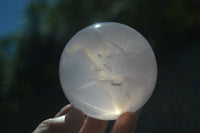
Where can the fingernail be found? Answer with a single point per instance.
(42, 128)
(56, 120)
(64, 110)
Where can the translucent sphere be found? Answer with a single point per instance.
(107, 69)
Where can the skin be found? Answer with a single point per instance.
(71, 120)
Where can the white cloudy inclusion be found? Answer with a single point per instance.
(107, 69)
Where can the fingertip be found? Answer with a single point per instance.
(126, 122)
(64, 110)
(42, 128)
(92, 125)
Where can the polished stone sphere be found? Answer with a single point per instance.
(107, 69)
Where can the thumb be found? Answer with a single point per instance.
(69, 122)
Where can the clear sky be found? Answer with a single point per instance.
(11, 15)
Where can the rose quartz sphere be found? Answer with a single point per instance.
(107, 69)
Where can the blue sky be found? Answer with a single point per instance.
(12, 14)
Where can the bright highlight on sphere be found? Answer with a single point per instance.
(107, 69)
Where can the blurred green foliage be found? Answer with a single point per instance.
(29, 84)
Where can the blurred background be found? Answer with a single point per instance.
(34, 33)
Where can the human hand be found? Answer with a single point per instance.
(72, 120)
